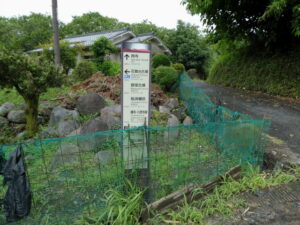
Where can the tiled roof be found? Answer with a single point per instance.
(88, 39)
(142, 37)
(149, 36)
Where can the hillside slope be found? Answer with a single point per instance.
(274, 73)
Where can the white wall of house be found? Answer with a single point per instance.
(116, 57)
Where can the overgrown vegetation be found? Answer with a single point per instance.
(276, 73)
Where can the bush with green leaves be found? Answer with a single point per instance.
(101, 49)
(110, 68)
(179, 67)
(84, 70)
(165, 76)
(160, 60)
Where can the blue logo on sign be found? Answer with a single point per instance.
(126, 76)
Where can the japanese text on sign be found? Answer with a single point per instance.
(136, 84)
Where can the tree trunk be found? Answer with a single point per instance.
(55, 33)
(31, 110)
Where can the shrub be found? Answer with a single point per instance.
(84, 70)
(179, 67)
(165, 76)
(110, 68)
(160, 60)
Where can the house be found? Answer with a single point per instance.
(117, 37)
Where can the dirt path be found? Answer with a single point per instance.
(271, 206)
(284, 113)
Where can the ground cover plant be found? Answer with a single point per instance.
(225, 199)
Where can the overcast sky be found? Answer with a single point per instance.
(160, 12)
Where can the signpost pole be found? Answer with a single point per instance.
(136, 83)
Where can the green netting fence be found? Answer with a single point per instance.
(69, 176)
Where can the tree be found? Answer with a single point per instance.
(146, 27)
(55, 33)
(6, 33)
(101, 49)
(30, 76)
(188, 47)
(91, 22)
(273, 23)
(25, 33)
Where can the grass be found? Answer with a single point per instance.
(84, 118)
(12, 96)
(122, 207)
(274, 73)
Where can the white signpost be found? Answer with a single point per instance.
(136, 87)
(135, 103)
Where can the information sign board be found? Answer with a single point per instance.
(135, 103)
(136, 87)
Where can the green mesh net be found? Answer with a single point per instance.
(69, 176)
(200, 107)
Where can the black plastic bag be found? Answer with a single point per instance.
(17, 201)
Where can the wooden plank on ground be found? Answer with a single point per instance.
(188, 192)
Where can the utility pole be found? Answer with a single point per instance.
(55, 33)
